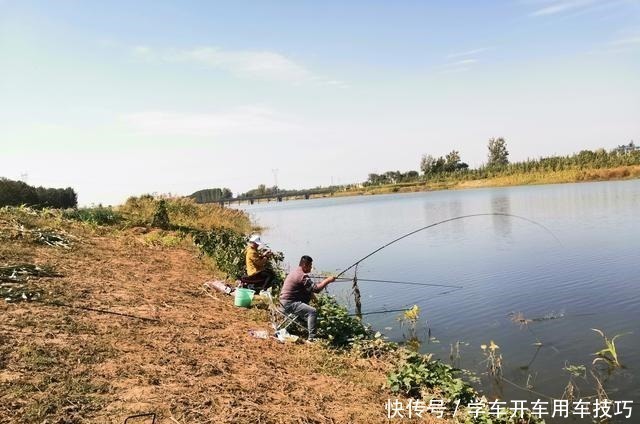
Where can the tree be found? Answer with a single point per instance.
(452, 160)
(426, 164)
(498, 154)
(411, 175)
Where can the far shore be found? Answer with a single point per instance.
(531, 178)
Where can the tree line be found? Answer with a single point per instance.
(451, 166)
(498, 164)
(263, 190)
(16, 193)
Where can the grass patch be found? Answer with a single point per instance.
(183, 213)
(98, 215)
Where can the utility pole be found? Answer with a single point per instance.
(275, 178)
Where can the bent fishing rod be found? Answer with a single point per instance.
(355, 264)
(408, 283)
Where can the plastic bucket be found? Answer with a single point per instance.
(244, 297)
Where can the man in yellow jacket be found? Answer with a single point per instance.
(257, 258)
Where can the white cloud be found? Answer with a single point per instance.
(246, 120)
(575, 8)
(560, 6)
(142, 51)
(254, 64)
(468, 53)
(463, 62)
(626, 42)
(263, 65)
(458, 66)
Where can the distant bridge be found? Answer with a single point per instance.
(277, 197)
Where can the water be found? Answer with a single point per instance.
(505, 265)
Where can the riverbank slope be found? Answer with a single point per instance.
(190, 360)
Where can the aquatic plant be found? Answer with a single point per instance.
(609, 354)
(493, 359)
(410, 318)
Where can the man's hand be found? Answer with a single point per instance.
(326, 282)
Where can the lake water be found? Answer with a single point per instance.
(590, 279)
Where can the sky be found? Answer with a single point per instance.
(123, 98)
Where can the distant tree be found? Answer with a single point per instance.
(452, 160)
(498, 153)
(375, 179)
(426, 164)
(439, 166)
(211, 195)
(14, 193)
(392, 177)
(411, 175)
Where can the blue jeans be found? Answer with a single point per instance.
(304, 312)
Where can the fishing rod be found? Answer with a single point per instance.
(355, 264)
(386, 311)
(409, 283)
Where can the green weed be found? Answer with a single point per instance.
(609, 354)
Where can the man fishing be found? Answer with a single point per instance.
(257, 256)
(297, 292)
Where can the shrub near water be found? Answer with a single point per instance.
(336, 325)
(417, 372)
(226, 247)
(422, 377)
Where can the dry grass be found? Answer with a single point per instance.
(196, 364)
(185, 212)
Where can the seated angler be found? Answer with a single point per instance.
(257, 256)
(297, 291)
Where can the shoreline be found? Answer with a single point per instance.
(621, 173)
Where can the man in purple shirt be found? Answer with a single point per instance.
(297, 291)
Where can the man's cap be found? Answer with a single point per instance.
(255, 239)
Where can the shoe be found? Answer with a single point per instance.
(311, 341)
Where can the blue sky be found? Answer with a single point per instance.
(124, 98)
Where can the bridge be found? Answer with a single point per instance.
(279, 197)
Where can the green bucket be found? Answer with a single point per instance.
(244, 297)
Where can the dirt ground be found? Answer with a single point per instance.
(196, 363)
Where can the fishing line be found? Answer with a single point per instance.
(445, 221)
(410, 283)
(386, 311)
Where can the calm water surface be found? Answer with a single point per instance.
(589, 280)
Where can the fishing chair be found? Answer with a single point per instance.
(279, 318)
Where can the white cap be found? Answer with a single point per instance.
(255, 239)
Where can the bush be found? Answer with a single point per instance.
(375, 347)
(226, 247)
(336, 325)
(160, 216)
(98, 215)
(416, 372)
